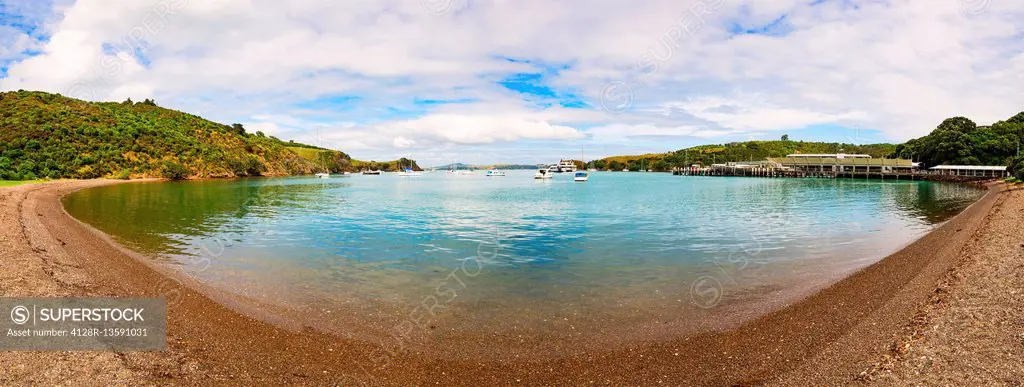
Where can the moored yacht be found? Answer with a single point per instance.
(495, 173)
(543, 173)
(566, 166)
(582, 175)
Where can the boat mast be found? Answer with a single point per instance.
(582, 158)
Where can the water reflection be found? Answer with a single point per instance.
(624, 237)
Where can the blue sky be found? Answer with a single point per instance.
(533, 81)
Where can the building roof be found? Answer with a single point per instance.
(831, 155)
(804, 161)
(971, 167)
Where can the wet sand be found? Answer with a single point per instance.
(831, 337)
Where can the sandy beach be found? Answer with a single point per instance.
(944, 310)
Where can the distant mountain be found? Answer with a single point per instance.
(510, 166)
(493, 166)
(45, 135)
(453, 166)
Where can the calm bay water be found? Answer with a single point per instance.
(514, 255)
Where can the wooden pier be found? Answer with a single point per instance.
(768, 172)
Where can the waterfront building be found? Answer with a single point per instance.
(970, 170)
(843, 163)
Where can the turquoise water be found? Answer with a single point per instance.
(624, 248)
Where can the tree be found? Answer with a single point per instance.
(238, 129)
(949, 147)
(660, 166)
(1016, 167)
(785, 137)
(960, 124)
(959, 140)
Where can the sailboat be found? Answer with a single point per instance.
(409, 172)
(581, 176)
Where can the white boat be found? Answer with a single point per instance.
(408, 172)
(581, 176)
(566, 166)
(543, 174)
(495, 173)
(323, 175)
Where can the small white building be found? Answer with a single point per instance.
(970, 170)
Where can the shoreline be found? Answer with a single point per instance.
(828, 337)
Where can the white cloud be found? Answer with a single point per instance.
(616, 133)
(742, 114)
(895, 66)
(475, 129)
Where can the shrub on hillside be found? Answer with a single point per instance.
(174, 171)
(124, 174)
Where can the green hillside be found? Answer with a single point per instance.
(46, 135)
(959, 141)
(955, 141)
(318, 157)
(389, 166)
(734, 151)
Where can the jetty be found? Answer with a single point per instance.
(850, 166)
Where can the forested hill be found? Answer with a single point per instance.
(959, 141)
(46, 135)
(734, 151)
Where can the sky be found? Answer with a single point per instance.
(531, 81)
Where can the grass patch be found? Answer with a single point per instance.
(12, 183)
(309, 154)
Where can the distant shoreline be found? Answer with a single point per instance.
(827, 338)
